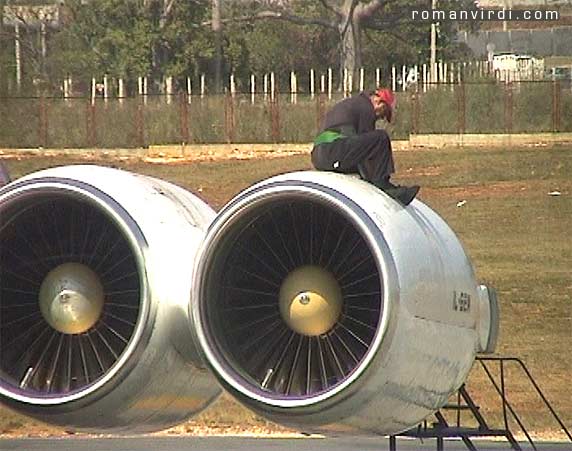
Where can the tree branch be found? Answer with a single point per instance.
(168, 6)
(350, 16)
(275, 15)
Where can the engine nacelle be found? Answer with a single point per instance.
(323, 304)
(95, 276)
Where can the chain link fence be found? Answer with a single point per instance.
(480, 107)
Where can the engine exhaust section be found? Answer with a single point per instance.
(95, 276)
(323, 304)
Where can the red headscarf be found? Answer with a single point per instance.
(386, 95)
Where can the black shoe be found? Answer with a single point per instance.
(404, 194)
(385, 185)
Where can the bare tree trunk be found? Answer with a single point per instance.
(349, 30)
(217, 30)
(350, 51)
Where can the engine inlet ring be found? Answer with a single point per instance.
(250, 249)
(43, 225)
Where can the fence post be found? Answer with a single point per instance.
(232, 85)
(121, 91)
(265, 88)
(330, 82)
(43, 123)
(293, 87)
(67, 89)
(508, 107)
(229, 117)
(556, 105)
(169, 89)
(140, 123)
(145, 90)
(319, 111)
(461, 108)
(105, 88)
(93, 90)
(184, 109)
(312, 83)
(91, 132)
(274, 119)
(415, 110)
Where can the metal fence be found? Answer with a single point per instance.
(483, 107)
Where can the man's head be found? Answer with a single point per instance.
(384, 102)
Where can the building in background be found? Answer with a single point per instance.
(525, 50)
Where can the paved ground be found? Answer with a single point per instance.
(247, 444)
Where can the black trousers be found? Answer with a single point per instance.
(368, 154)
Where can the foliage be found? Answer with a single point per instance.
(129, 38)
(159, 38)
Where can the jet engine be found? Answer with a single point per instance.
(95, 276)
(323, 304)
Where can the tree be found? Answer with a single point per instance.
(348, 20)
(345, 17)
(130, 38)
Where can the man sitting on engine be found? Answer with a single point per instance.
(350, 143)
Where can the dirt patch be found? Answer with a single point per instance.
(497, 190)
(235, 154)
(166, 154)
(423, 171)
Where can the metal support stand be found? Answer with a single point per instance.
(441, 429)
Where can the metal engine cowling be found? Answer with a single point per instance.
(323, 304)
(95, 276)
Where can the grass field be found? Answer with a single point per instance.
(517, 234)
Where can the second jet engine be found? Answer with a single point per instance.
(323, 304)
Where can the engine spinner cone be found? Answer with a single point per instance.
(71, 298)
(310, 300)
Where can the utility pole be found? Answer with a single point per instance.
(507, 5)
(433, 60)
(18, 54)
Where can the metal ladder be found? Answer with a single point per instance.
(441, 429)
